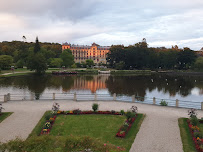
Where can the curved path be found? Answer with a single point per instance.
(159, 131)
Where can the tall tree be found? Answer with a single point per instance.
(37, 46)
(5, 61)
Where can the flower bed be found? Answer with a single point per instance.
(125, 128)
(48, 125)
(121, 133)
(198, 141)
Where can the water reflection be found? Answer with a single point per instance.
(139, 86)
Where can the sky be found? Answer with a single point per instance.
(105, 22)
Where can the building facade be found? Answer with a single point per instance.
(83, 52)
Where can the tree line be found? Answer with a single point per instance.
(139, 56)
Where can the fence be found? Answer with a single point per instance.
(100, 97)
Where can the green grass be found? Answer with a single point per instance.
(4, 115)
(188, 144)
(102, 127)
(201, 127)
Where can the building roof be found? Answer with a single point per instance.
(87, 46)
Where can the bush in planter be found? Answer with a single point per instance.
(194, 121)
(48, 116)
(77, 111)
(122, 112)
(130, 115)
(95, 107)
(197, 134)
(163, 103)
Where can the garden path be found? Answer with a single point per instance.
(159, 131)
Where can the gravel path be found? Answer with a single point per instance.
(159, 131)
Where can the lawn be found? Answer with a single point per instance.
(188, 144)
(102, 127)
(4, 115)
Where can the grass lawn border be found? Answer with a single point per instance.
(186, 137)
(4, 115)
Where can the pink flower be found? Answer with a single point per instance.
(104, 144)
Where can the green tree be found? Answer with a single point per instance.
(36, 60)
(37, 63)
(56, 62)
(37, 46)
(199, 64)
(186, 58)
(89, 62)
(67, 57)
(5, 61)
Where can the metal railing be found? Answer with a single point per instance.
(100, 97)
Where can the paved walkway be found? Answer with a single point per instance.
(159, 131)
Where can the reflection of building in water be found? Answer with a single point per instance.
(92, 83)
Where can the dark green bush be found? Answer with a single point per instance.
(122, 112)
(56, 144)
(194, 121)
(163, 103)
(130, 115)
(197, 134)
(95, 107)
(48, 116)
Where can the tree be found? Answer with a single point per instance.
(37, 46)
(67, 57)
(199, 64)
(186, 58)
(56, 62)
(36, 60)
(5, 61)
(89, 62)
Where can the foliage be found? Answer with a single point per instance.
(194, 121)
(77, 111)
(55, 62)
(55, 107)
(37, 46)
(122, 112)
(95, 107)
(67, 57)
(89, 62)
(139, 56)
(163, 103)
(48, 116)
(130, 115)
(57, 144)
(198, 134)
(192, 112)
(5, 61)
(1, 108)
(188, 145)
(134, 109)
(199, 64)
(37, 62)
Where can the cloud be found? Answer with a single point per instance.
(162, 23)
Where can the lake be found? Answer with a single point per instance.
(169, 87)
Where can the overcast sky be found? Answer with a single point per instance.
(106, 22)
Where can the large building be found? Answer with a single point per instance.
(83, 52)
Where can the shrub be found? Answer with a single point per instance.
(48, 116)
(122, 112)
(163, 103)
(112, 111)
(95, 107)
(197, 134)
(130, 115)
(194, 121)
(1, 108)
(192, 113)
(77, 111)
(55, 107)
(134, 109)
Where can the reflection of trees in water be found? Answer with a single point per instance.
(138, 85)
(121, 85)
